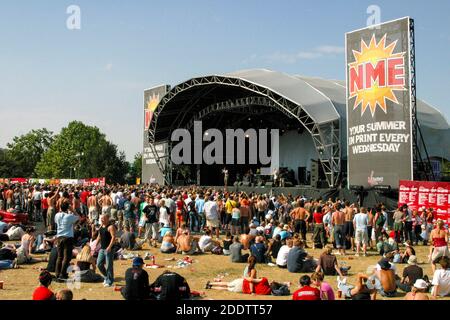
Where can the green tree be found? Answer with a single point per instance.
(135, 169)
(25, 151)
(82, 151)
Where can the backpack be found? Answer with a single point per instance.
(381, 220)
(282, 290)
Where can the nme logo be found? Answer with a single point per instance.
(375, 74)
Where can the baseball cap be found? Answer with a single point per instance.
(420, 284)
(138, 262)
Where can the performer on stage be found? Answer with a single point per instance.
(225, 176)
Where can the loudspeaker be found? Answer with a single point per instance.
(302, 175)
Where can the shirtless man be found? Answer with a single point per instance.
(358, 292)
(106, 202)
(245, 240)
(51, 211)
(338, 220)
(64, 199)
(9, 195)
(187, 244)
(92, 207)
(261, 207)
(384, 280)
(299, 217)
(349, 230)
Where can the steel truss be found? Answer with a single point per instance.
(326, 136)
(420, 164)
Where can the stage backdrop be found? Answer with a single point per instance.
(428, 194)
(150, 169)
(379, 105)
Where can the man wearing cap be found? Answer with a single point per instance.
(384, 279)
(137, 286)
(410, 274)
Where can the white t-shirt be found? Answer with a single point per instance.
(282, 256)
(163, 216)
(441, 277)
(204, 241)
(211, 212)
(361, 221)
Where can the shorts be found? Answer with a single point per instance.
(93, 213)
(141, 223)
(212, 223)
(349, 230)
(235, 222)
(236, 285)
(438, 253)
(107, 211)
(362, 237)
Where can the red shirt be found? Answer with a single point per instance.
(44, 203)
(306, 293)
(318, 217)
(42, 293)
(83, 197)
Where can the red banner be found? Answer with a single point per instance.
(428, 194)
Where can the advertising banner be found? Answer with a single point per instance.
(379, 105)
(150, 169)
(428, 194)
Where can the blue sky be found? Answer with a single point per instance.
(50, 75)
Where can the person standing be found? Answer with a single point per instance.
(52, 199)
(360, 222)
(64, 237)
(337, 220)
(212, 215)
(439, 247)
(106, 237)
(319, 237)
(151, 217)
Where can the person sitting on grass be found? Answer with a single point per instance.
(258, 249)
(206, 243)
(306, 292)
(64, 294)
(283, 253)
(137, 286)
(252, 284)
(236, 251)
(358, 292)
(170, 286)
(328, 263)
(299, 260)
(441, 279)
(43, 292)
(326, 291)
(227, 243)
(418, 291)
(410, 274)
(85, 261)
(187, 244)
(383, 280)
(168, 243)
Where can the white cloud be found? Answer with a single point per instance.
(290, 58)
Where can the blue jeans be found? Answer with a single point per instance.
(108, 259)
(6, 264)
(339, 236)
(193, 222)
(201, 220)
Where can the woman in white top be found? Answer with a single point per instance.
(163, 214)
(441, 279)
(282, 256)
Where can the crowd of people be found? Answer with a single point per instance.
(96, 225)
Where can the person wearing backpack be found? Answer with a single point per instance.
(151, 218)
(380, 220)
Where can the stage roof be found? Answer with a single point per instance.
(321, 99)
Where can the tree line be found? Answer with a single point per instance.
(78, 151)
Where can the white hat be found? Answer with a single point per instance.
(420, 284)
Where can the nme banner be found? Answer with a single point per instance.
(379, 105)
(150, 169)
(428, 194)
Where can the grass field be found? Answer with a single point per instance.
(20, 283)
